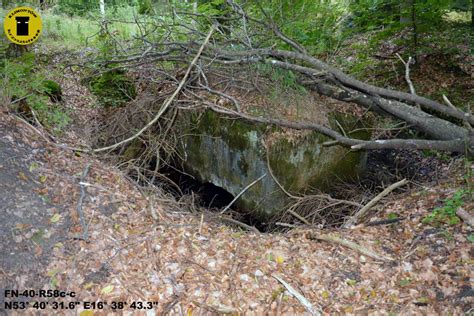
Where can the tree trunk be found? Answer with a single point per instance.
(102, 8)
(405, 11)
(15, 50)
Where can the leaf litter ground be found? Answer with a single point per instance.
(191, 265)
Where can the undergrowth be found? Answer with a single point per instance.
(27, 87)
(446, 214)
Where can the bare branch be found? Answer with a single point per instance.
(351, 245)
(407, 72)
(309, 307)
(465, 216)
(242, 192)
(363, 211)
(80, 213)
(457, 145)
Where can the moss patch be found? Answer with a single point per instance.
(234, 132)
(133, 151)
(113, 88)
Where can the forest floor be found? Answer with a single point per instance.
(182, 263)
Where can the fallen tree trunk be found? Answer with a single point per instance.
(433, 126)
(356, 144)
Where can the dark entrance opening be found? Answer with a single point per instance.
(208, 195)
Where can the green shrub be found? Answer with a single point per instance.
(145, 7)
(23, 79)
(313, 24)
(53, 90)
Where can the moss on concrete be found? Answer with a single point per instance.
(134, 150)
(228, 153)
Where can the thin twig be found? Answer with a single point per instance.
(407, 72)
(241, 192)
(273, 176)
(238, 223)
(151, 205)
(351, 245)
(21, 99)
(385, 221)
(298, 216)
(307, 305)
(37, 131)
(85, 228)
(286, 225)
(363, 211)
(201, 223)
(49, 141)
(466, 122)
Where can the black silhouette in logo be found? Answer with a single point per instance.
(22, 25)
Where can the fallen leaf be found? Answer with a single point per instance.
(22, 176)
(55, 218)
(279, 259)
(107, 290)
(33, 166)
(428, 275)
(88, 285)
(22, 226)
(38, 250)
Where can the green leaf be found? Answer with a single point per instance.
(470, 238)
(351, 282)
(33, 166)
(54, 282)
(107, 290)
(53, 272)
(405, 282)
(55, 218)
(392, 216)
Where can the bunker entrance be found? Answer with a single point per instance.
(207, 194)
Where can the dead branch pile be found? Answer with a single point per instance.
(244, 40)
(224, 70)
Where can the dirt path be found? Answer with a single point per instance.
(184, 264)
(27, 234)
